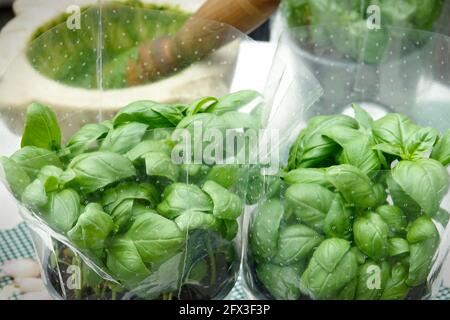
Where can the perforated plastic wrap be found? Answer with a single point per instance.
(140, 206)
(119, 205)
(339, 220)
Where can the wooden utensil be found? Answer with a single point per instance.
(211, 27)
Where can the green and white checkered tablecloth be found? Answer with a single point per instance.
(16, 243)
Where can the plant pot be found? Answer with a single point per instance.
(24, 81)
(165, 225)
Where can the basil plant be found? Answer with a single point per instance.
(358, 214)
(136, 223)
(343, 24)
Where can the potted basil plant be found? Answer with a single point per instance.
(114, 216)
(359, 212)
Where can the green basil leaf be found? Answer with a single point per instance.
(372, 278)
(158, 134)
(96, 170)
(408, 205)
(226, 205)
(389, 149)
(158, 164)
(360, 257)
(125, 263)
(394, 218)
(428, 187)
(330, 269)
(41, 128)
(423, 239)
(48, 180)
(192, 220)
(379, 191)
(63, 209)
(371, 235)
(310, 203)
(229, 229)
(34, 195)
(67, 177)
(144, 192)
(121, 201)
(295, 150)
(354, 185)
(281, 282)
(420, 230)
(357, 148)
(226, 175)
(123, 138)
(122, 215)
(33, 159)
(338, 221)
(398, 246)
(140, 150)
(362, 117)
(420, 143)
(15, 175)
(264, 232)
(394, 129)
(396, 287)
(92, 229)
(295, 243)
(195, 126)
(201, 105)
(307, 175)
(348, 292)
(261, 186)
(180, 197)
(192, 169)
(234, 101)
(139, 208)
(153, 114)
(421, 259)
(156, 238)
(239, 120)
(50, 176)
(311, 147)
(202, 120)
(441, 151)
(86, 139)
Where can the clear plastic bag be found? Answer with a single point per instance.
(309, 236)
(151, 226)
(126, 211)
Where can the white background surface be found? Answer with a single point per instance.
(8, 210)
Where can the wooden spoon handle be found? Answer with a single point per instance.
(245, 15)
(207, 30)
